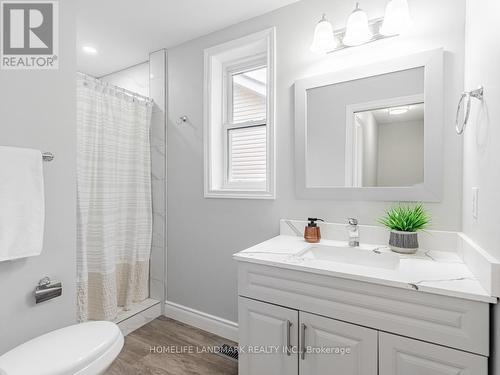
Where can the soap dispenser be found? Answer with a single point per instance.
(312, 233)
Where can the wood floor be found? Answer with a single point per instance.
(168, 347)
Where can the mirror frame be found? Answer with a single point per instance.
(432, 188)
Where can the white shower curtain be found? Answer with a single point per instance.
(114, 200)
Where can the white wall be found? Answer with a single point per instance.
(204, 233)
(481, 163)
(370, 148)
(37, 109)
(481, 166)
(135, 78)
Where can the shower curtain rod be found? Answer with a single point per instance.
(114, 87)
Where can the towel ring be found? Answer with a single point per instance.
(466, 98)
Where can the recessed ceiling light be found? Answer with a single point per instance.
(398, 110)
(89, 50)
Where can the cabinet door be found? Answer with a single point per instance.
(404, 356)
(329, 346)
(268, 339)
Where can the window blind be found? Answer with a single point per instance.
(247, 154)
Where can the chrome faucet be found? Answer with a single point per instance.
(353, 232)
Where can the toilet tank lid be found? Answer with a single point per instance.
(63, 351)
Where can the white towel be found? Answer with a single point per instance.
(22, 208)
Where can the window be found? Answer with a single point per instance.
(245, 129)
(239, 118)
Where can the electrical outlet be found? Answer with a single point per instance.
(475, 202)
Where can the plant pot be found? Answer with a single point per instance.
(403, 242)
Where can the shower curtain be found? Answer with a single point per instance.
(114, 208)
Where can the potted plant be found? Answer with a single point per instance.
(404, 222)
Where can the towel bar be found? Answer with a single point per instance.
(465, 99)
(48, 156)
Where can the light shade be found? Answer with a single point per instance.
(397, 18)
(323, 40)
(357, 30)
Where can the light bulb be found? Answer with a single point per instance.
(357, 30)
(89, 50)
(323, 40)
(397, 18)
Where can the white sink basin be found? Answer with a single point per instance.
(351, 255)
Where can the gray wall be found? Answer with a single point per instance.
(204, 233)
(37, 109)
(401, 153)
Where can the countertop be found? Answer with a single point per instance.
(437, 272)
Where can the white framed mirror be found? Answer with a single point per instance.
(373, 132)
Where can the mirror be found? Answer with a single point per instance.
(371, 132)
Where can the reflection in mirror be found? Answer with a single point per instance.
(387, 146)
(331, 111)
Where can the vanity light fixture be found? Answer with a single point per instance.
(397, 18)
(398, 110)
(323, 40)
(360, 30)
(357, 29)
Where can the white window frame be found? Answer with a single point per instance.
(230, 70)
(221, 63)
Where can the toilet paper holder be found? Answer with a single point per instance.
(47, 290)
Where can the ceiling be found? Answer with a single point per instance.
(125, 31)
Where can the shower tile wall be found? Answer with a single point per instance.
(157, 85)
(135, 78)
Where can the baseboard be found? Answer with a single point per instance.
(210, 323)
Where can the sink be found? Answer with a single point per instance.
(366, 257)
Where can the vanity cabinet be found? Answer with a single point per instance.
(281, 341)
(274, 337)
(389, 331)
(351, 349)
(404, 356)
(269, 334)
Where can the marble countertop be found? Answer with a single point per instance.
(437, 272)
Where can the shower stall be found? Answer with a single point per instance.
(120, 199)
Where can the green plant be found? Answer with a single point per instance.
(406, 218)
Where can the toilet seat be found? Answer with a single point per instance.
(81, 349)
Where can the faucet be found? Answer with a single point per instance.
(353, 232)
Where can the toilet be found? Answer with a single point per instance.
(81, 349)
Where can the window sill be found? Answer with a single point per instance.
(240, 194)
